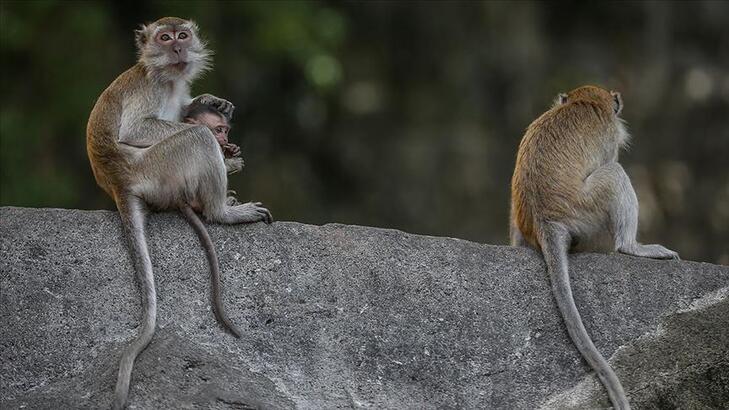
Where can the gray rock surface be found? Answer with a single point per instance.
(346, 317)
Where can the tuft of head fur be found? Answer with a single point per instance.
(157, 61)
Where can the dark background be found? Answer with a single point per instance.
(391, 114)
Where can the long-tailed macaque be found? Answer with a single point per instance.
(144, 157)
(569, 192)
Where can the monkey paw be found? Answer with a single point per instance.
(256, 212)
(233, 165)
(650, 251)
(221, 105)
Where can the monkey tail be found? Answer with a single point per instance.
(555, 242)
(212, 256)
(133, 213)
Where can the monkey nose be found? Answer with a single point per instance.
(177, 49)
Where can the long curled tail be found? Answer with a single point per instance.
(555, 241)
(133, 214)
(212, 256)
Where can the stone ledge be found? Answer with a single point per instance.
(339, 316)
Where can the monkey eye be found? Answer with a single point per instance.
(165, 37)
(182, 36)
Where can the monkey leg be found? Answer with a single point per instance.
(610, 185)
(188, 168)
(515, 236)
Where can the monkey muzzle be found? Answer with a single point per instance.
(180, 54)
(180, 66)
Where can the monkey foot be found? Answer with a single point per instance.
(251, 212)
(231, 200)
(649, 251)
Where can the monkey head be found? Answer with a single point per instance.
(211, 118)
(170, 49)
(593, 93)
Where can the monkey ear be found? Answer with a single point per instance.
(140, 36)
(617, 101)
(561, 99)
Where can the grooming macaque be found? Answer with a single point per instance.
(569, 192)
(219, 125)
(144, 157)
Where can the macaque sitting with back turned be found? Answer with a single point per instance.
(202, 113)
(569, 192)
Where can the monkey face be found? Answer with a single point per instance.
(217, 123)
(175, 43)
(172, 49)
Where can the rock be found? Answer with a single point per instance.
(342, 316)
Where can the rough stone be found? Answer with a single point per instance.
(339, 316)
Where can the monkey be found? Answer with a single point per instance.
(145, 158)
(569, 193)
(219, 125)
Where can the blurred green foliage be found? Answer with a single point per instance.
(392, 114)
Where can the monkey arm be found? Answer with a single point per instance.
(149, 131)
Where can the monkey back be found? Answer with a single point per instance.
(558, 151)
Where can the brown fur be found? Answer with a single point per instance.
(568, 187)
(559, 150)
(569, 192)
(111, 167)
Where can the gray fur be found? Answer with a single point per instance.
(555, 242)
(133, 212)
(212, 256)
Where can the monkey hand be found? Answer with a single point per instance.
(230, 150)
(221, 105)
(233, 165)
